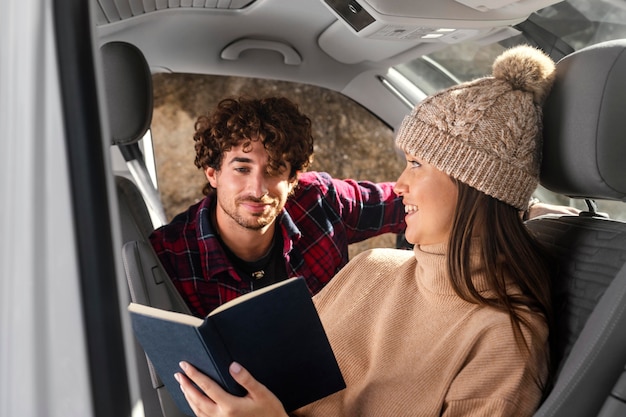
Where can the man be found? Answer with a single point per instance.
(263, 218)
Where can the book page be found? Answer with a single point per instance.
(249, 295)
(165, 315)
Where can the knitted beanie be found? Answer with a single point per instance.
(486, 133)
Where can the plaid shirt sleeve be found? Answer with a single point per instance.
(365, 209)
(330, 214)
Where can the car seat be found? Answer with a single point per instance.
(583, 157)
(128, 89)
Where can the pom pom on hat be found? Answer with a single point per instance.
(526, 69)
(486, 133)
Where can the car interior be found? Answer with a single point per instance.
(385, 56)
(581, 124)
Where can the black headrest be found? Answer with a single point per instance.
(128, 85)
(585, 124)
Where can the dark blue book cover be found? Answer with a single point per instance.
(274, 332)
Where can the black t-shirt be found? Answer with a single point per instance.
(267, 270)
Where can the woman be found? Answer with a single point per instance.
(460, 326)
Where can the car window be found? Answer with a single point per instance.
(571, 25)
(350, 142)
(559, 29)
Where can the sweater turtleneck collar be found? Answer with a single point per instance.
(431, 269)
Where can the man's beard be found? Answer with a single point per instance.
(258, 221)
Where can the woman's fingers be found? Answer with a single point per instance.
(259, 402)
(204, 402)
(246, 380)
(199, 403)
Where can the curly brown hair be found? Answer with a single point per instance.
(274, 121)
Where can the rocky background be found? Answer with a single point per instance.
(349, 141)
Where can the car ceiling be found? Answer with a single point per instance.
(243, 37)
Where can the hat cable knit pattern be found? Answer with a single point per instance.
(486, 133)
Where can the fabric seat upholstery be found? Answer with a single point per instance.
(584, 146)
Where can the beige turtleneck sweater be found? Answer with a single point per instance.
(407, 345)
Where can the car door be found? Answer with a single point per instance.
(61, 326)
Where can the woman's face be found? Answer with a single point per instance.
(429, 198)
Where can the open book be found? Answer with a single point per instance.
(273, 332)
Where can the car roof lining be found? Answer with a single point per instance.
(178, 36)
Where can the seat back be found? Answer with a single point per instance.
(584, 147)
(128, 87)
(149, 284)
(134, 216)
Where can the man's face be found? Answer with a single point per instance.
(248, 195)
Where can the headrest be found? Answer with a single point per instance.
(585, 124)
(128, 86)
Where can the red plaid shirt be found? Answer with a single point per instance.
(318, 223)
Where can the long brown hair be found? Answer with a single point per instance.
(508, 253)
